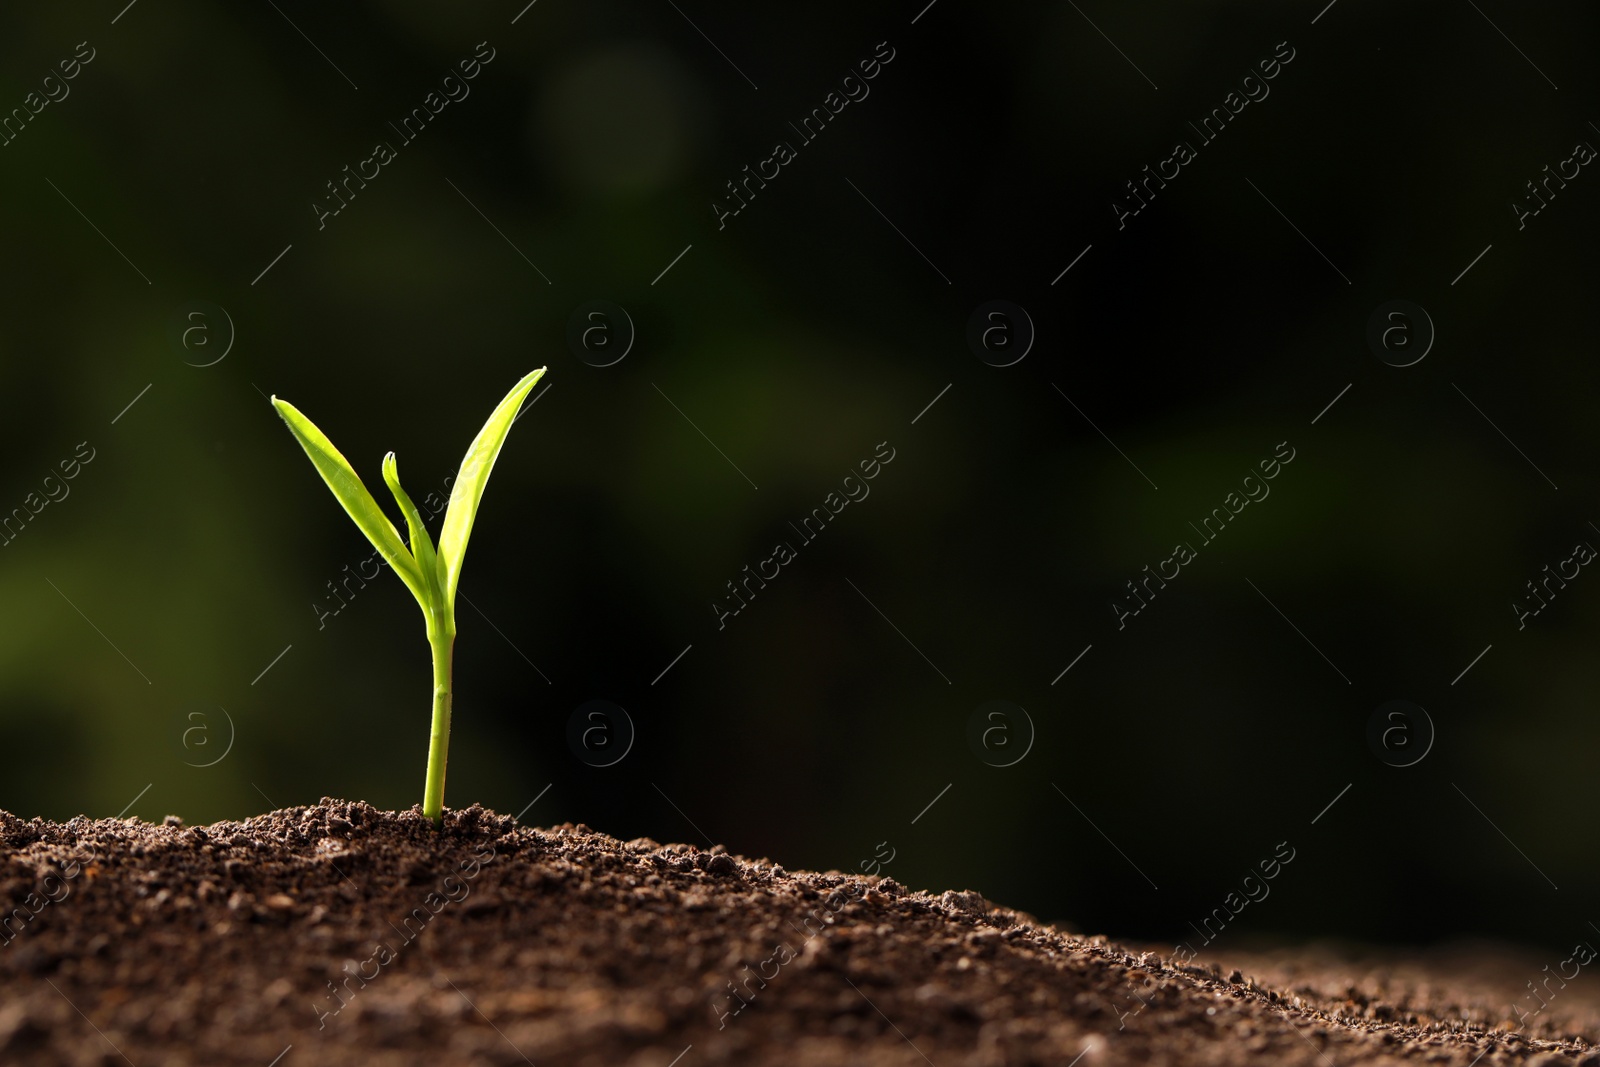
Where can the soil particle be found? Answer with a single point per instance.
(360, 936)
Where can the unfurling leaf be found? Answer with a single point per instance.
(421, 543)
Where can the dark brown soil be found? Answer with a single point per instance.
(347, 935)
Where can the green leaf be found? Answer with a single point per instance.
(470, 480)
(421, 543)
(350, 492)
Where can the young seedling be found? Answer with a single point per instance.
(431, 574)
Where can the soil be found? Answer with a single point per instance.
(340, 934)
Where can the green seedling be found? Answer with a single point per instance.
(430, 573)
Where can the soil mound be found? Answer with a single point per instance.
(339, 934)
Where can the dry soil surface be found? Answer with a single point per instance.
(340, 934)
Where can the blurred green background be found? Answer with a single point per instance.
(817, 725)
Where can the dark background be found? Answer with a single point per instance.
(822, 720)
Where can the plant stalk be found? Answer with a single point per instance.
(443, 641)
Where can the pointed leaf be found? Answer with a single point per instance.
(421, 543)
(352, 494)
(470, 480)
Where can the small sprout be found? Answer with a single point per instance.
(430, 573)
